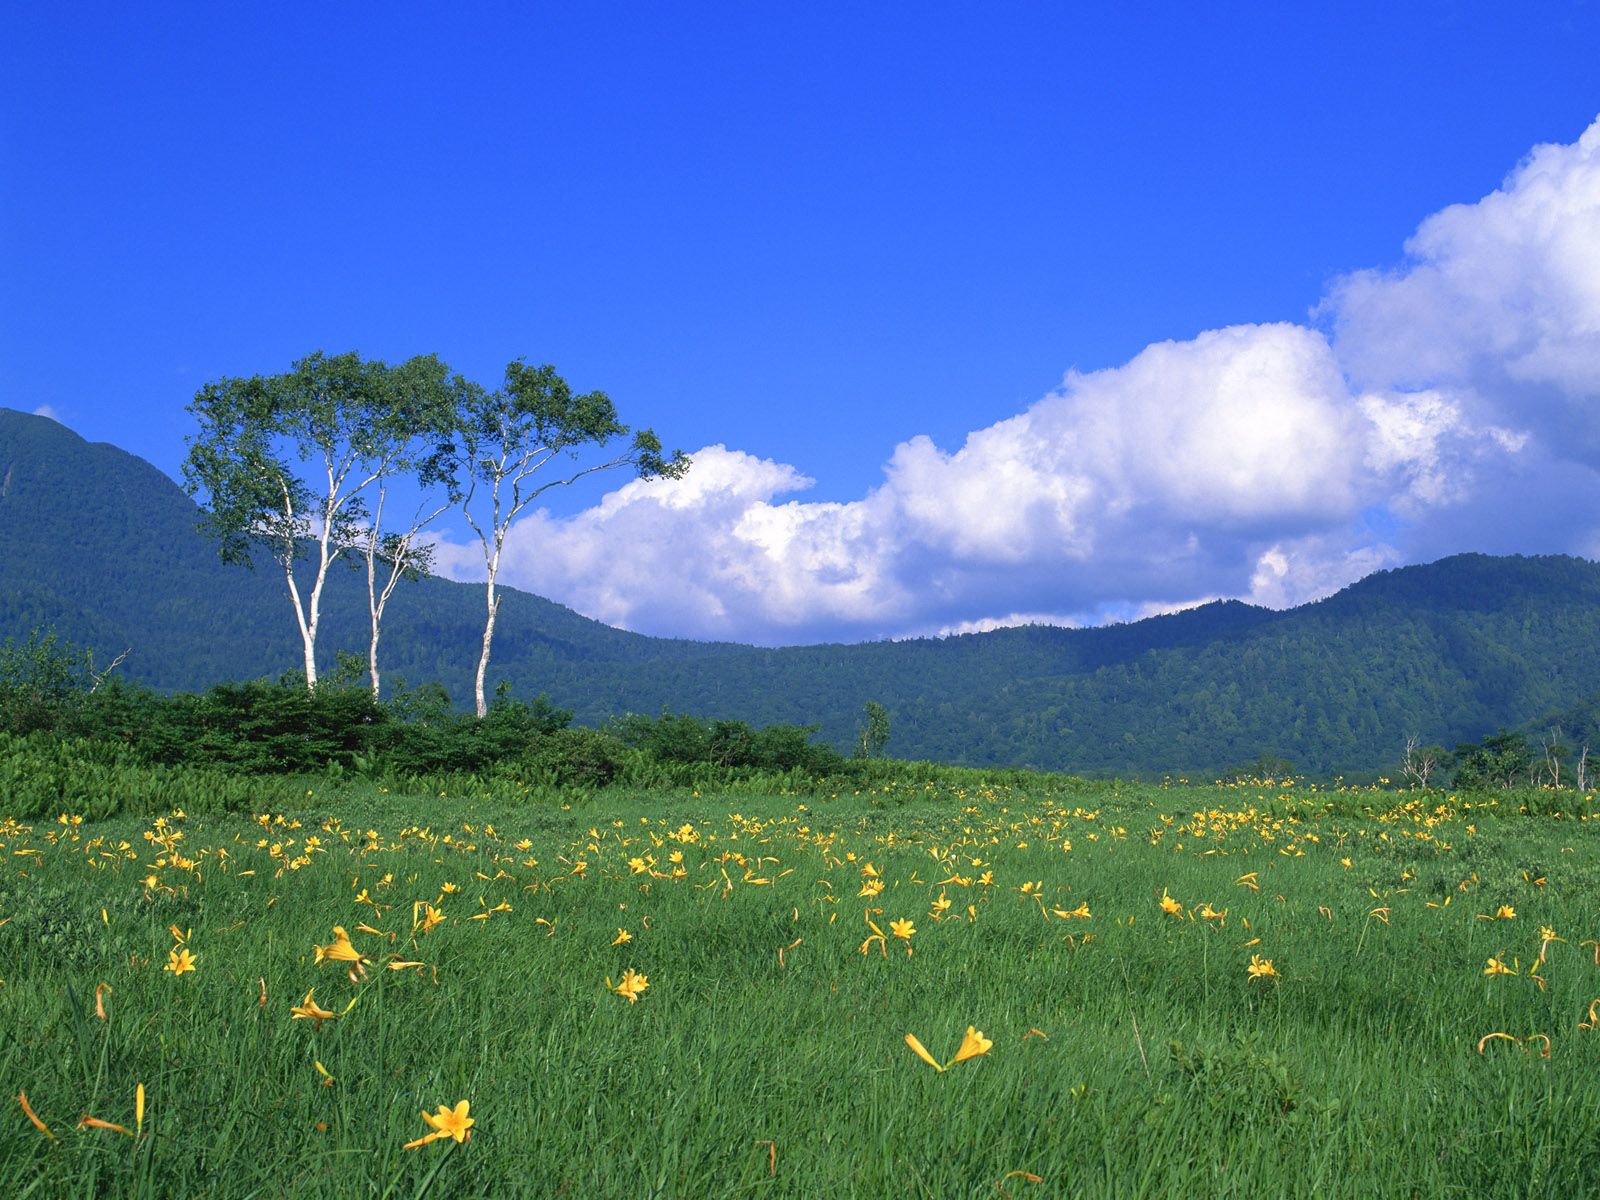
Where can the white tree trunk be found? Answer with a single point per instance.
(372, 652)
(374, 605)
(312, 619)
(483, 658)
(308, 630)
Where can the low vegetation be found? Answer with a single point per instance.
(926, 986)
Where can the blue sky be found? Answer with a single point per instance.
(860, 246)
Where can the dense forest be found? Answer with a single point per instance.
(103, 549)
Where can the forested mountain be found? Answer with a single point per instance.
(103, 548)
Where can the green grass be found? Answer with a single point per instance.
(1163, 1069)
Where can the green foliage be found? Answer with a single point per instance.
(578, 758)
(873, 733)
(42, 775)
(40, 681)
(1241, 1080)
(506, 439)
(424, 736)
(1502, 760)
(682, 739)
(337, 413)
(125, 748)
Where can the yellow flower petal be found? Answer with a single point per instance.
(921, 1052)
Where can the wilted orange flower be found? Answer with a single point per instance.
(875, 936)
(27, 1109)
(88, 1122)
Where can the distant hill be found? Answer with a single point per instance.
(102, 547)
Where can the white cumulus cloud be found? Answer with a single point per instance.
(1449, 399)
(1497, 301)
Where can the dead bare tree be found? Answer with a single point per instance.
(1419, 761)
(96, 678)
(1553, 750)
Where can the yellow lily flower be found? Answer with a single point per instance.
(179, 961)
(447, 1123)
(341, 950)
(972, 1045)
(632, 984)
(308, 1009)
(1261, 968)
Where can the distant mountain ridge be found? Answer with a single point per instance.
(102, 547)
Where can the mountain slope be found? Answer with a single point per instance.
(102, 547)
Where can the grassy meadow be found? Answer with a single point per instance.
(1200, 991)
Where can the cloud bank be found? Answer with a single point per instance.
(1450, 402)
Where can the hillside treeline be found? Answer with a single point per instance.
(103, 548)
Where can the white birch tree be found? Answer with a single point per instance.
(520, 441)
(409, 437)
(256, 436)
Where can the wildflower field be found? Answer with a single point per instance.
(932, 989)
